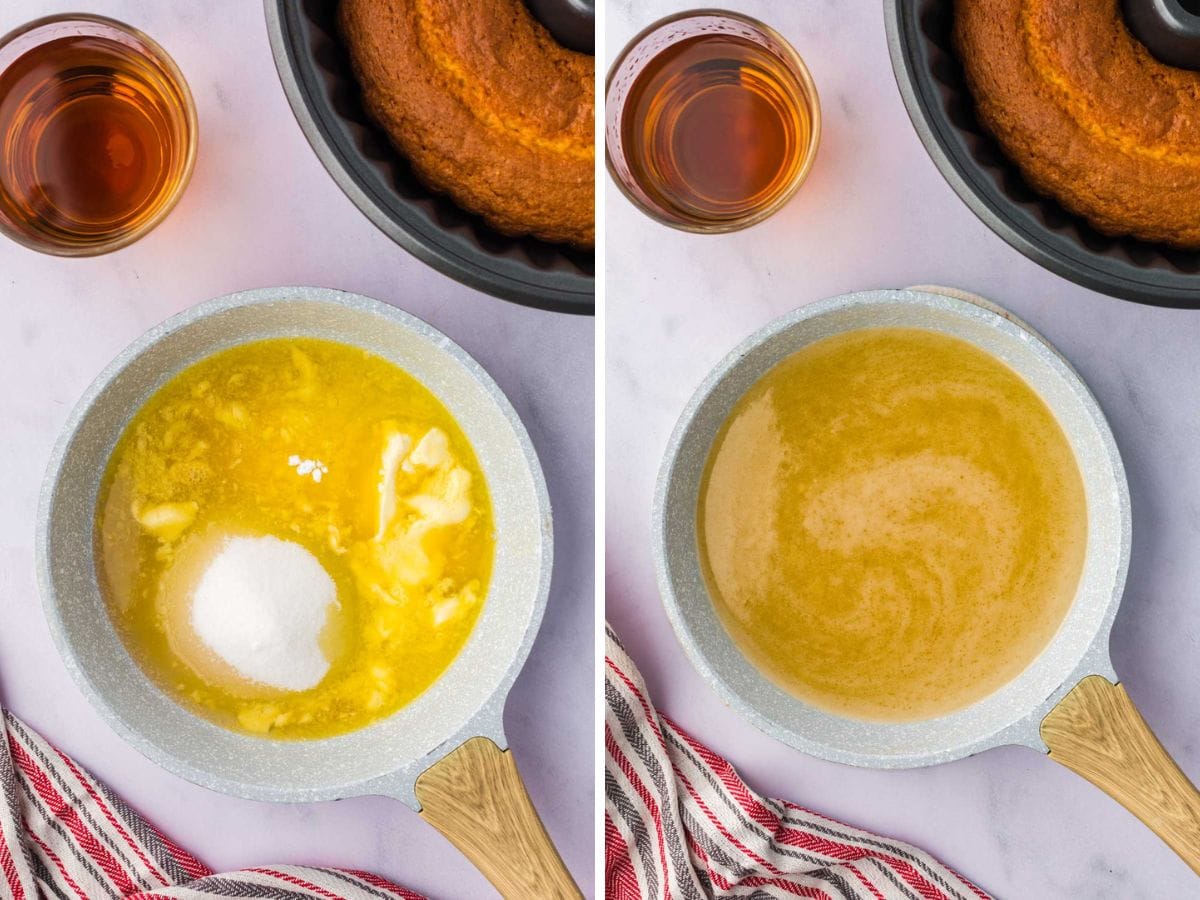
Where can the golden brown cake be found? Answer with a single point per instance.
(1089, 116)
(486, 105)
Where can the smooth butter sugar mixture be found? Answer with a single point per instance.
(294, 538)
(892, 524)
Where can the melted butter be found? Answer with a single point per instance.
(892, 524)
(326, 446)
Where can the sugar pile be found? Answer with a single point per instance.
(261, 606)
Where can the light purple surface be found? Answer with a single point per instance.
(876, 213)
(262, 211)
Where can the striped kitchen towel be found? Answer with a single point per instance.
(66, 836)
(679, 824)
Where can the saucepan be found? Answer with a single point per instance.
(1068, 701)
(445, 753)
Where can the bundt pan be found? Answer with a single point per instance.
(940, 105)
(315, 70)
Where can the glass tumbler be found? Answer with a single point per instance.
(712, 121)
(97, 135)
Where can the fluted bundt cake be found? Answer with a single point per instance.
(1090, 117)
(486, 105)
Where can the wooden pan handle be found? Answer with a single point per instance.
(475, 797)
(1097, 732)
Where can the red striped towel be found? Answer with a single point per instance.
(65, 835)
(679, 824)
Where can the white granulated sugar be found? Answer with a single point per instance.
(261, 605)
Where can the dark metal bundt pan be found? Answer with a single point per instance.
(315, 71)
(572, 22)
(940, 105)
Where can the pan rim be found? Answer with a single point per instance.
(1021, 726)
(395, 780)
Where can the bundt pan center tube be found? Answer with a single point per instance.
(1170, 30)
(572, 22)
(933, 86)
(317, 77)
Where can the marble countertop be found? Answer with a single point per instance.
(262, 211)
(875, 213)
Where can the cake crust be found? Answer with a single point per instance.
(1090, 117)
(486, 106)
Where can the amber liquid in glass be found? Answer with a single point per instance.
(716, 128)
(93, 138)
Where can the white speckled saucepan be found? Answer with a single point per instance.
(1067, 702)
(443, 753)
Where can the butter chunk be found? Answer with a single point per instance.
(233, 414)
(166, 521)
(444, 610)
(451, 505)
(306, 369)
(394, 450)
(258, 719)
(431, 451)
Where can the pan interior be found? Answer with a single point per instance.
(1008, 715)
(466, 693)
